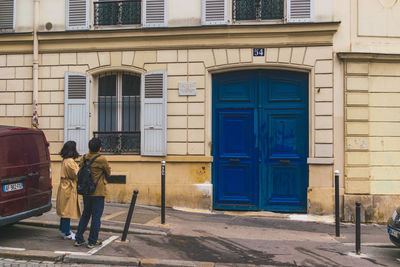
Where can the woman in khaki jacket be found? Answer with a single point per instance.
(68, 205)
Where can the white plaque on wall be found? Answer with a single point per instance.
(187, 88)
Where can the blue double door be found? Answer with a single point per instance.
(260, 140)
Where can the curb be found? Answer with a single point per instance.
(104, 228)
(174, 263)
(98, 259)
(31, 255)
(40, 255)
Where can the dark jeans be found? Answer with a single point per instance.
(65, 225)
(92, 207)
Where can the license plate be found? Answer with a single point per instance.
(12, 187)
(393, 232)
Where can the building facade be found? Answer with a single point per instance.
(368, 48)
(252, 104)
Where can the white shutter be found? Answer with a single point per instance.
(76, 110)
(154, 114)
(77, 14)
(300, 10)
(155, 13)
(7, 15)
(213, 12)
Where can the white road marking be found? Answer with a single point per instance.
(105, 243)
(90, 252)
(15, 249)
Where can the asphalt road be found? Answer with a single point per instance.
(230, 239)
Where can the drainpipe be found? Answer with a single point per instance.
(35, 118)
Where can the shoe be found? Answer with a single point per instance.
(98, 244)
(71, 236)
(78, 244)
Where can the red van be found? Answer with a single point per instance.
(25, 175)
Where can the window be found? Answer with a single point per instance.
(130, 12)
(118, 113)
(258, 9)
(130, 112)
(214, 11)
(112, 12)
(7, 17)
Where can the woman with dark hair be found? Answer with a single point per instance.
(68, 205)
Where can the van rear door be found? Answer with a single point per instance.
(24, 172)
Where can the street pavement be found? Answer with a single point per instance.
(198, 238)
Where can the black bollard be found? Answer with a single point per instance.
(163, 192)
(358, 228)
(129, 217)
(337, 218)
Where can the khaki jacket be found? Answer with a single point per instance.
(100, 170)
(68, 204)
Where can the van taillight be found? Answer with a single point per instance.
(47, 145)
(45, 140)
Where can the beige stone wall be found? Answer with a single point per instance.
(16, 89)
(368, 26)
(188, 117)
(372, 157)
(180, 14)
(187, 182)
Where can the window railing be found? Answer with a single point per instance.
(119, 142)
(124, 12)
(257, 9)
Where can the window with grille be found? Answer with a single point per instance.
(258, 9)
(113, 12)
(118, 113)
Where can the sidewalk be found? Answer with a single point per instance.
(204, 238)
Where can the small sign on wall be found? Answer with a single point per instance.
(258, 52)
(187, 88)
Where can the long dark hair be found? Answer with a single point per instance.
(69, 150)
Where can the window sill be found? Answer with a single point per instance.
(320, 161)
(252, 22)
(116, 27)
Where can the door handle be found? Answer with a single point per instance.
(33, 174)
(234, 160)
(284, 161)
(78, 127)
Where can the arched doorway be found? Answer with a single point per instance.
(260, 140)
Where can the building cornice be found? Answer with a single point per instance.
(361, 56)
(227, 36)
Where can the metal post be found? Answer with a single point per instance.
(163, 192)
(358, 229)
(337, 217)
(129, 217)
